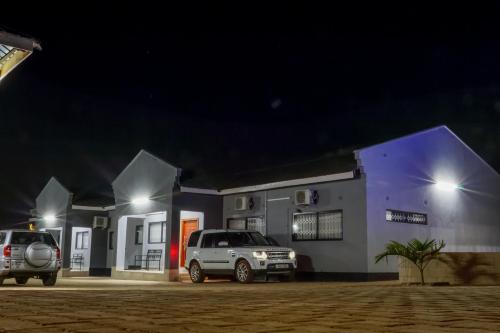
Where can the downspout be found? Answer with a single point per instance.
(265, 210)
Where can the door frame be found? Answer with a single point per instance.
(182, 249)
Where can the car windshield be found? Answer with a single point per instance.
(242, 239)
(2, 237)
(26, 238)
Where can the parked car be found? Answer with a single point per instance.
(241, 254)
(29, 254)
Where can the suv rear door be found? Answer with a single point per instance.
(214, 251)
(20, 240)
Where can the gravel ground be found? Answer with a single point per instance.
(105, 305)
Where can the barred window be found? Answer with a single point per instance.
(254, 223)
(325, 225)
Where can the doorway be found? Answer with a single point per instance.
(187, 228)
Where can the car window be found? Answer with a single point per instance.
(26, 238)
(239, 239)
(220, 237)
(193, 239)
(208, 240)
(3, 235)
(259, 239)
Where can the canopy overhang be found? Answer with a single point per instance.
(14, 50)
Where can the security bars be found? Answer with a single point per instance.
(312, 226)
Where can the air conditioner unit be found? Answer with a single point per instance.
(306, 197)
(100, 222)
(243, 203)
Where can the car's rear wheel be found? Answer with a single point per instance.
(21, 280)
(1, 280)
(49, 280)
(196, 273)
(243, 272)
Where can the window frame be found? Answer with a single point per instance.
(205, 236)
(197, 234)
(136, 239)
(111, 235)
(163, 235)
(406, 214)
(78, 233)
(317, 213)
(245, 218)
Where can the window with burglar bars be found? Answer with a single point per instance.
(255, 223)
(325, 225)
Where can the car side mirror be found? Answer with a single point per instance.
(223, 244)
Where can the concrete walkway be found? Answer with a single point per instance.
(105, 305)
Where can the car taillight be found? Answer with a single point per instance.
(58, 252)
(7, 250)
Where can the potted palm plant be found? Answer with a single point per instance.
(418, 252)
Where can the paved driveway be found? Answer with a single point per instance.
(103, 305)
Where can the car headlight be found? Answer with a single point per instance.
(291, 254)
(260, 255)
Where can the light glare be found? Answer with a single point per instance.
(446, 186)
(50, 218)
(140, 201)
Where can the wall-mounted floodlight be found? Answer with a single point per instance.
(446, 186)
(49, 218)
(140, 201)
(14, 50)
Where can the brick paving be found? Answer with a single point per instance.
(104, 305)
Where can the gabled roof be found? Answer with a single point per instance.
(141, 153)
(100, 197)
(430, 130)
(54, 180)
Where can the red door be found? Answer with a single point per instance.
(188, 226)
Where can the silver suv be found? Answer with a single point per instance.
(29, 254)
(241, 254)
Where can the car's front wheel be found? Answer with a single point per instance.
(49, 280)
(243, 272)
(21, 280)
(196, 273)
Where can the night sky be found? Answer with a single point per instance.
(216, 90)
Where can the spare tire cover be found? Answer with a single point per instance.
(38, 254)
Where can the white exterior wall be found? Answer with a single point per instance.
(401, 175)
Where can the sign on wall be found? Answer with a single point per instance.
(405, 217)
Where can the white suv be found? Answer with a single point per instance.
(238, 253)
(25, 254)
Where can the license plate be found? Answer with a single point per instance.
(281, 266)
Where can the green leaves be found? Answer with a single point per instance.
(418, 252)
